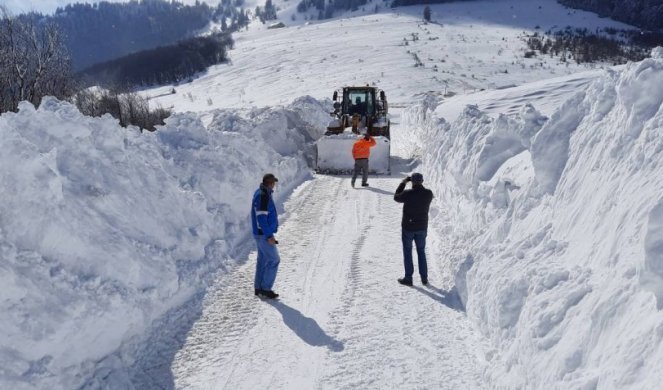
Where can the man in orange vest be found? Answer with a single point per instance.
(361, 150)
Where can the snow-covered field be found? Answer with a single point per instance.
(125, 257)
(471, 46)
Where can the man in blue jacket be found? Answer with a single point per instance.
(265, 223)
(414, 225)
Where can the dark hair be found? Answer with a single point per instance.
(269, 178)
(417, 178)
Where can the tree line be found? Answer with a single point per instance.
(266, 13)
(35, 62)
(646, 14)
(402, 3)
(38, 54)
(127, 108)
(584, 46)
(162, 65)
(326, 9)
(133, 26)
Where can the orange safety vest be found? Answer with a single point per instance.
(362, 148)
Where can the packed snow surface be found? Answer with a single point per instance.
(126, 257)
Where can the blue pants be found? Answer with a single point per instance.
(267, 264)
(419, 238)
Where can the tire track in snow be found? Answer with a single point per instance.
(386, 327)
(323, 228)
(338, 319)
(362, 345)
(342, 321)
(232, 312)
(229, 312)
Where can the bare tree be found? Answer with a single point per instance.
(33, 62)
(128, 108)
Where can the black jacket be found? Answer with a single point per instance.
(416, 203)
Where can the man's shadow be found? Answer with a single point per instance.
(306, 328)
(449, 298)
(380, 191)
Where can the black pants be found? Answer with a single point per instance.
(419, 238)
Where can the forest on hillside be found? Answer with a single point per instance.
(95, 33)
(646, 14)
(161, 65)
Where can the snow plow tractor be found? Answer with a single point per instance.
(362, 110)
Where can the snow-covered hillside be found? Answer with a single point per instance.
(471, 46)
(557, 230)
(547, 218)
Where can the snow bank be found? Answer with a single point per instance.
(334, 153)
(104, 229)
(556, 231)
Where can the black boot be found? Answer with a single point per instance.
(364, 184)
(258, 291)
(270, 294)
(405, 282)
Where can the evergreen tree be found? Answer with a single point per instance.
(270, 10)
(102, 31)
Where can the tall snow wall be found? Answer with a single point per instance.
(104, 229)
(556, 231)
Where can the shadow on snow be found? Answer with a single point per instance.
(306, 328)
(449, 298)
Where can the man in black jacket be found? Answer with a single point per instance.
(416, 203)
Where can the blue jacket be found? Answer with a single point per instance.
(263, 213)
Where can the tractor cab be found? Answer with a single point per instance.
(360, 108)
(364, 110)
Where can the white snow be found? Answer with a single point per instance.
(562, 260)
(468, 48)
(105, 229)
(126, 258)
(342, 321)
(334, 154)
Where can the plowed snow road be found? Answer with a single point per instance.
(342, 322)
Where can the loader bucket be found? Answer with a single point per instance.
(334, 154)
